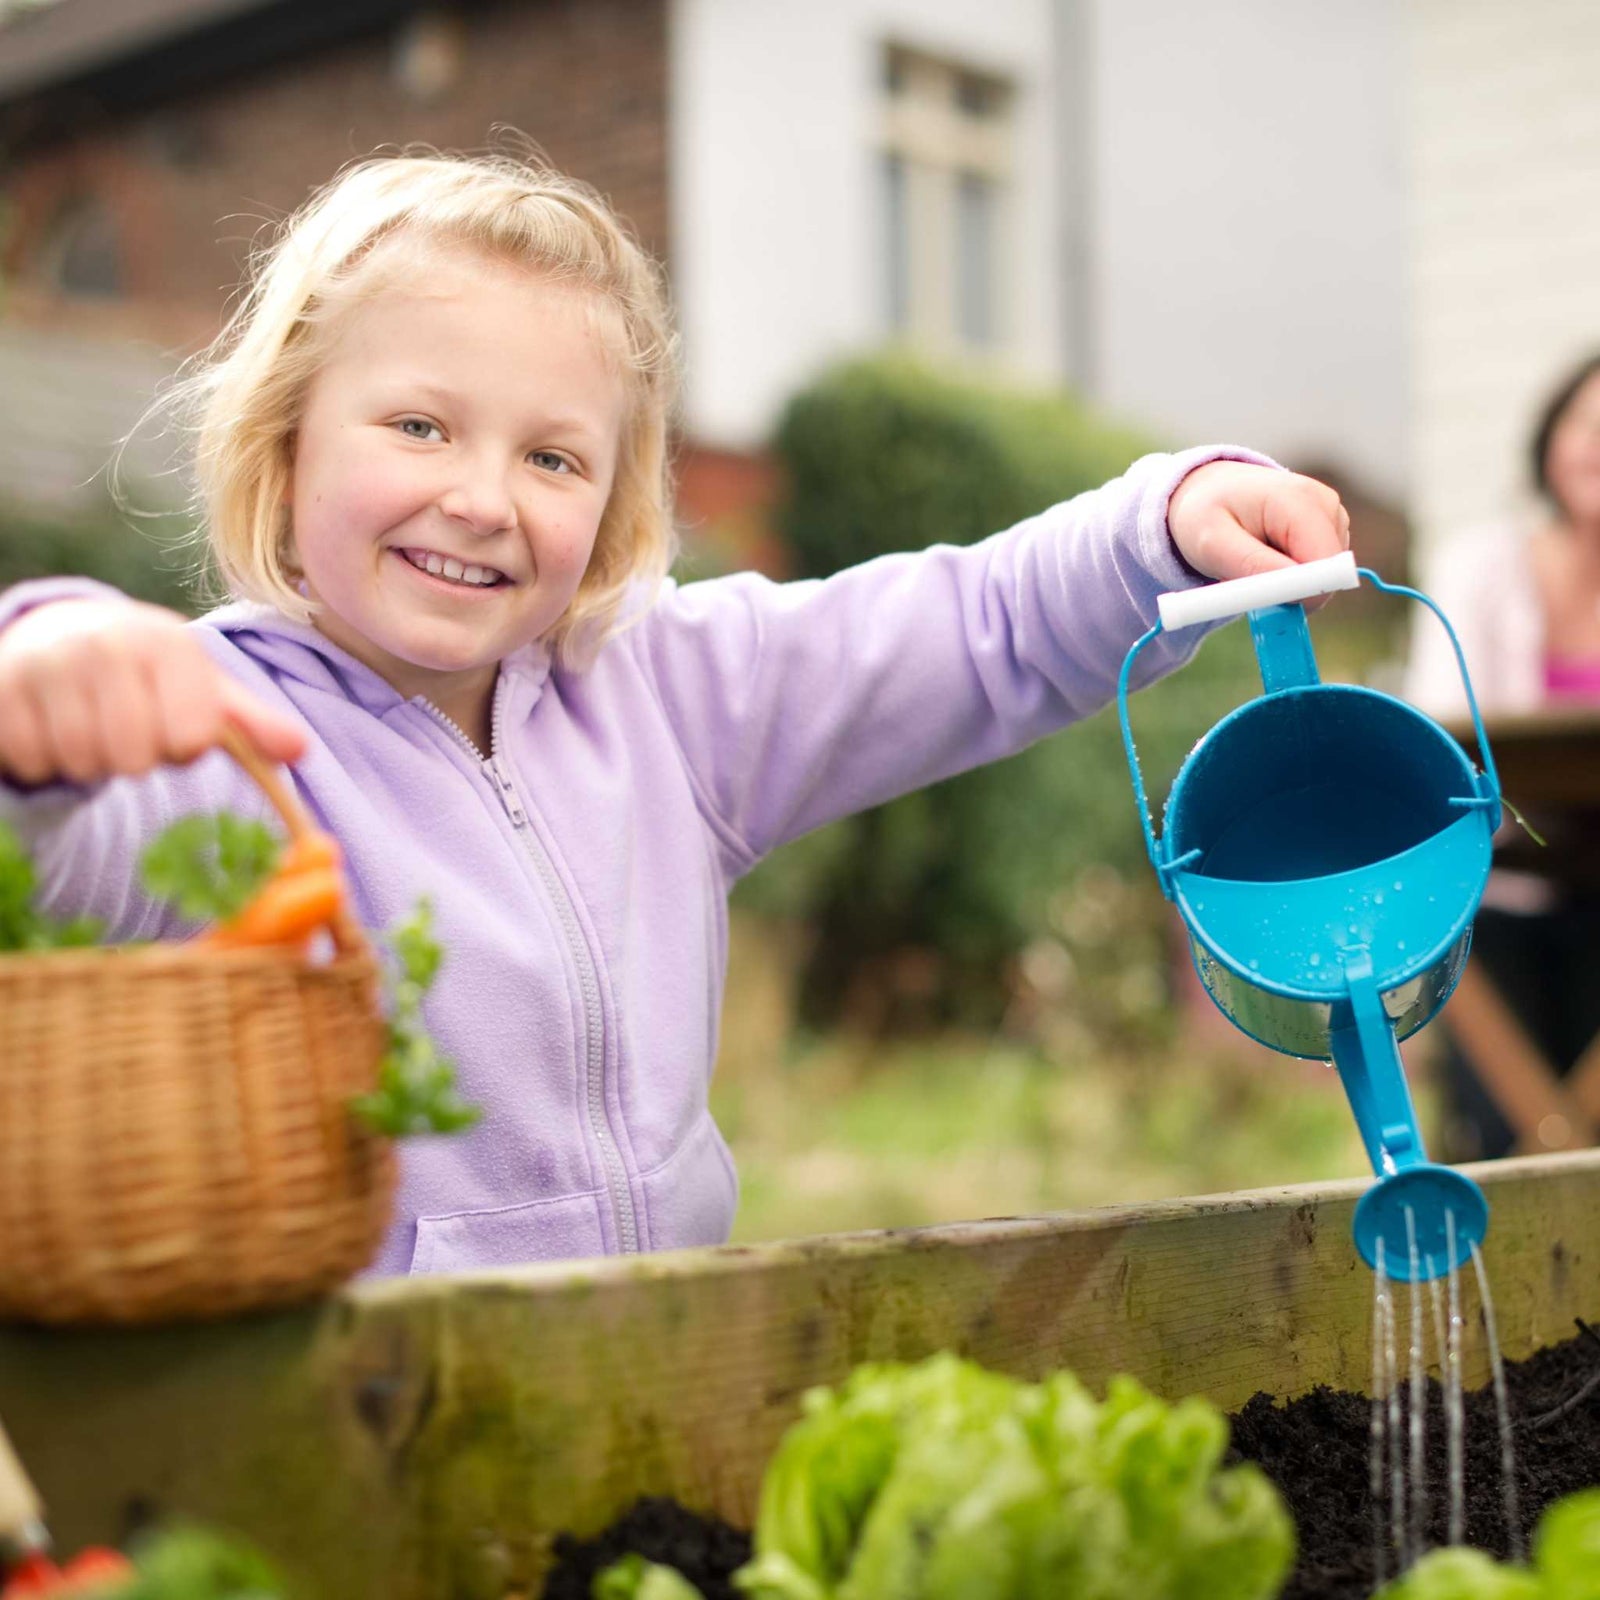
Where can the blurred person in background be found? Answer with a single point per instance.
(1524, 599)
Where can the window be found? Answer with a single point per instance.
(945, 163)
(82, 255)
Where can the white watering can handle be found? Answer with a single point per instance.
(1280, 587)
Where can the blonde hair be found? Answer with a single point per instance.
(246, 393)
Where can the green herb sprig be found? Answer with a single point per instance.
(209, 867)
(416, 1090)
(22, 925)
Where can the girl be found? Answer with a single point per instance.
(432, 449)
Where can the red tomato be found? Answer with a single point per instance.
(94, 1570)
(32, 1575)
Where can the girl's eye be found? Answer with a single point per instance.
(549, 461)
(418, 428)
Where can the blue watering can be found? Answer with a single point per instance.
(1327, 846)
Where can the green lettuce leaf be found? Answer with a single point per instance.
(634, 1578)
(1460, 1574)
(1566, 1547)
(944, 1481)
(188, 1561)
(1566, 1563)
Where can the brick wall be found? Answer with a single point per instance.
(189, 184)
(1505, 238)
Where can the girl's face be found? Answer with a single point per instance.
(451, 468)
(1572, 461)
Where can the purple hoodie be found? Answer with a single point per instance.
(580, 875)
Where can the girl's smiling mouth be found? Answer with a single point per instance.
(448, 569)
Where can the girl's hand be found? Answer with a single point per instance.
(93, 688)
(1230, 519)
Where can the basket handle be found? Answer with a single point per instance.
(348, 936)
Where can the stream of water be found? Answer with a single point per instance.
(1376, 1431)
(1508, 1458)
(1397, 1437)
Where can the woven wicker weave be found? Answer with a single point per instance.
(174, 1139)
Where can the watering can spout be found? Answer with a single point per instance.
(1426, 1217)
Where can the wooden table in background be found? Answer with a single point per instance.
(1549, 766)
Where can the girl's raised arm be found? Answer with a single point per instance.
(795, 704)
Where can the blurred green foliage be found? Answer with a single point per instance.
(147, 556)
(920, 910)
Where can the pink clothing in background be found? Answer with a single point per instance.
(1570, 681)
(1483, 579)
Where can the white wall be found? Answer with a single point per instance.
(775, 227)
(1246, 238)
(1506, 120)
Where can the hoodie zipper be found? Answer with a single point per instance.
(583, 959)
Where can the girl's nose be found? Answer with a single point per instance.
(481, 499)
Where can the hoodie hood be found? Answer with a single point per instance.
(297, 651)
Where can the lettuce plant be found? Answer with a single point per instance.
(634, 1578)
(1566, 1563)
(944, 1481)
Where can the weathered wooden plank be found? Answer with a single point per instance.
(426, 1438)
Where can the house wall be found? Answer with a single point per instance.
(1244, 248)
(1506, 239)
(775, 221)
(192, 183)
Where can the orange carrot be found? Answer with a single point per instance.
(288, 908)
(310, 850)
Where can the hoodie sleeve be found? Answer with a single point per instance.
(795, 704)
(85, 840)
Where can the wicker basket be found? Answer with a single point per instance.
(174, 1139)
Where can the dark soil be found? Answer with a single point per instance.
(1314, 1449)
(706, 1551)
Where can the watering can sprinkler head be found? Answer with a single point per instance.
(1440, 1212)
(1327, 847)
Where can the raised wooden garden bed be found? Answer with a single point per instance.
(429, 1437)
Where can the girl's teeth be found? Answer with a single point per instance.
(456, 571)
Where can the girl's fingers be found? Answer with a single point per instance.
(72, 733)
(1224, 548)
(127, 719)
(188, 704)
(1306, 520)
(24, 746)
(275, 734)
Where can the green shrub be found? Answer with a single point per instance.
(886, 455)
(883, 455)
(144, 557)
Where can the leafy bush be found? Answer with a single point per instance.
(146, 558)
(919, 909)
